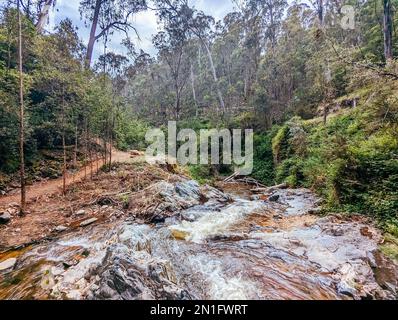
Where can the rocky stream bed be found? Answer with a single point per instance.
(215, 245)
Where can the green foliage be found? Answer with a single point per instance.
(351, 161)
(201, 173)
(390, 245)
(61, 98)
(263, 169)
(280, 144)
(130, 133)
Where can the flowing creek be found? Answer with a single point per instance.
(229, 247)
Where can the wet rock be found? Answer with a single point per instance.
(274, 198)
(70, 263)
(80, 213)
(179, 234)
(88, 222)
(158, 219)
(122, 277)
(8, 264)
(227, 238)
(210, 193)
(171, 198)
(188, 189)
(61, 228)
(366, 232)
(322, 221)
(385, 272)
(347, 283)
(315, 211)
(5, 218)
(335, 231)
(371, 260)
(345, 289)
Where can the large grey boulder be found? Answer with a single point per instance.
(5, 218)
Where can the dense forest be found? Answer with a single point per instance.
(318, 86)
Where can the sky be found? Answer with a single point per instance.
(144, 22)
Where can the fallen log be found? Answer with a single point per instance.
(250, 181)
(235, 174)
(269, 189)
(246, 180)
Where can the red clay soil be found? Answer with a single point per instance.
(50, 187)
(48, 208)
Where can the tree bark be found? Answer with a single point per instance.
(387, 30)
(213, 69)
(85, 148)
(91, 41)
(177, 102)
(21, 115)
(63, 143)
(320, 12)
(76, 146)
(194, 91)
(43, 16)
(90, 152)
(111, 126)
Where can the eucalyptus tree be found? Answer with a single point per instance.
(171, 46)
(114, 66)
(106, 17)
(178, 15)
(387, 30)
(37, 11)
(21, 113)
(44, 7)
(268, 14)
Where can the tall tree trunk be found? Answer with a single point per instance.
(245, 88)
(21, 115)
(90, 152)
(110, 135)
(43, 16)
(63, 143)
(76, 146)
(105, 153)
(273, 31)
(213, 69)
(320, 11)
(194, 91)
(85, 148)
(200, 57)
(177, 102)
(91, 41)
(325, 114)
(387, 30)
(97, 158)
